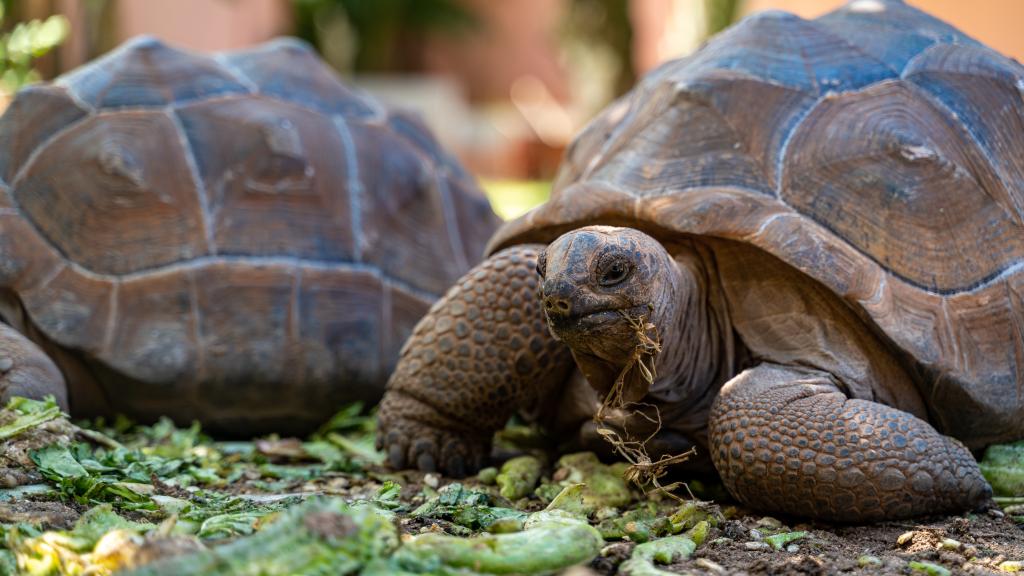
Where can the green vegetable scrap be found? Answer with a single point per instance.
(639, 524)
(928, 568)
(663, 551)
(550, 542)
(468, 508)
(605, 486)
(779, 541)
(692, 512)
(319, 537)
(518, 477)
(87, 548)
(28, 414)
(1003, 467)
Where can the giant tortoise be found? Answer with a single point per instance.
(820, 223)
(237, 238)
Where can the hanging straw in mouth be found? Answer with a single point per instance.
(642, 471)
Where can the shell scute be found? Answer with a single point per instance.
(289, 69)
(259, 158)
(890, 30)
(123, 199)
(34, 116)
(891, 174)
(146, 72)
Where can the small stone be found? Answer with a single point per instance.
(710, 566)
(757, 546)
(793, 548)
(950, 544)
(929, 568)
(867, 560)
(1011, 566)
(720, 541)
(6, 364)
(432, 480)
(756, 534)
(770, 523)
(905, 538)
(487, 475)
(995, 513)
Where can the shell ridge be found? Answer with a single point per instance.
(39, 150)
(206, 216)
(450, 220)
(110, 330)
(198, 262)
(355, 185)
(197, 326)
(222, 59)
(781, 168)
(294, 334)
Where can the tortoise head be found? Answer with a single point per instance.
(598, 283)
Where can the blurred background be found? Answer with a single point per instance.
(504, 84)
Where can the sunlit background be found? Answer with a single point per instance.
(503, 83)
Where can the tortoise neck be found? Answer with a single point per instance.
(695, 354)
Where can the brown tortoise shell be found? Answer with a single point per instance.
(876, 149)
(238, 230)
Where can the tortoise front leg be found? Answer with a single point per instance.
(788, 440)
(481, 353)
(25, 370)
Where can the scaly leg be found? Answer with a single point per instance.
(25, 370)
(788, 440)
(481, 353)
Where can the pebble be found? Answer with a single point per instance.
(793, 548)
(905, 538)
(710, 566)
(433, 480)
(769, 522)
(995, 513)
(757, 546)
(6, 364)
(756, 534)
(487, 475)
(950, 544)
(867, 560)
(1011, 566)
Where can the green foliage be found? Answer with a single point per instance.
(466, 507)
(1003, 467)
(23, 44)
(28, 414)
(381, 34)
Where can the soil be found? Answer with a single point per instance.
(973, 543)
(969, 544)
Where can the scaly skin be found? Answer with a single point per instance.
(787, 440)
(25, 370)
(481, 353)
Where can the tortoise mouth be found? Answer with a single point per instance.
(606, 320)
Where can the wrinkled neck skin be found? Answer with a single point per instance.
(700, 351)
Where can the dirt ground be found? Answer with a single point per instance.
(972, 543)
(262, 472)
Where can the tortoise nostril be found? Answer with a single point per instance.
(556, 305)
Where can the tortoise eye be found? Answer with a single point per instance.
(542, 264)
(613, 273)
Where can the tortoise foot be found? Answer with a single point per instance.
(481, 353)
(788, 440)
(25, 370)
